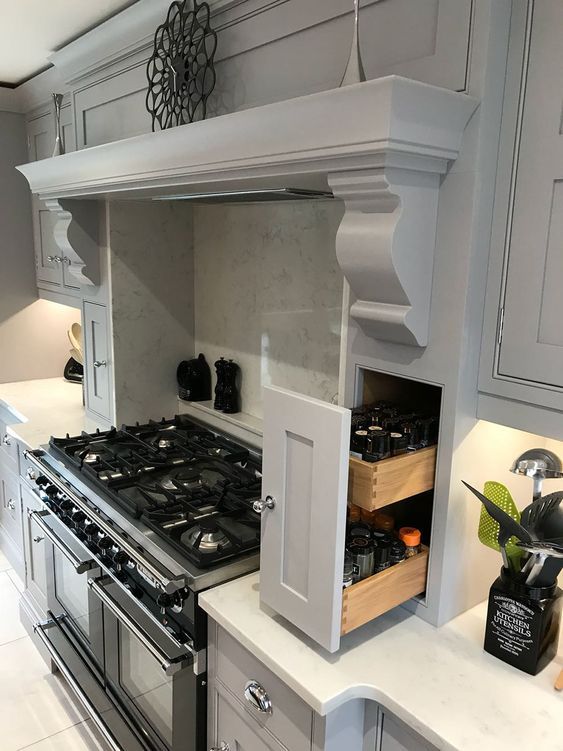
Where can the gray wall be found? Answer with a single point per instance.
(33, 342)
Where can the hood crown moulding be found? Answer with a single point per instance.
(381, 146)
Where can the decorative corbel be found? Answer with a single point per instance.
(385, 247)
(77, 237)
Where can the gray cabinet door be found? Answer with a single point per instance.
(396, 736)
(236, 730)
(305, 471)
(97, 359)
(37, 550)
(531, 348)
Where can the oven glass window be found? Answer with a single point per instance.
(71, 590)
(146, 683)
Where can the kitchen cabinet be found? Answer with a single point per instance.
(522, 352)
(52, 266)
(97, 366)
(36, 549)
(393, 735)
(10, 505)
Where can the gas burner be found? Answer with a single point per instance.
(191, 486)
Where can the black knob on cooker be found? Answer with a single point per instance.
(164, 601)
(91, 529)
(105, 543)
(121, 558)
(78, 517)
(52, 491)
(42, 480)
(66, 505)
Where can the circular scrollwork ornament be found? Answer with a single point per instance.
(180, 70)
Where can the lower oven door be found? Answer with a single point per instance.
(70, 567)
(151, 674)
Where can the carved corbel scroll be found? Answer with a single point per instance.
(385, 247)
(77, 237)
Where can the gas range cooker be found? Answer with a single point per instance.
(174, 492)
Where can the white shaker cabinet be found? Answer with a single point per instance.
(305, 485)
(97, 350)
(522, 355)
(52, 267)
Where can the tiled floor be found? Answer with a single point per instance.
(37, 712)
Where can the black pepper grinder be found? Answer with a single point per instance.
(231, 397)
(219, 402)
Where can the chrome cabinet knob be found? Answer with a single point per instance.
(258, 697)
(268, 503)
(223, 747)
(38, 539)
(54, 259)
(6, 440)
(31, 474)
(100, 363)
(12, 504)
(66, 260)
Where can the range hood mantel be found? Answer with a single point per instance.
(381, 146)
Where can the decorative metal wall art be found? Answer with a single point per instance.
(59, 139)
(355, 68)
(180, 71)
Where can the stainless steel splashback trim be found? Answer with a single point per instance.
(166, 581)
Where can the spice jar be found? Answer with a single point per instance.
(362, 551)
(411, 537)
(397, 553)
(359, 529)
(354, 513)
(348, 576)
(382, 555)
(384, 521)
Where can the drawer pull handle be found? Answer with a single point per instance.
(223, 747)
(100, 363)
(258, 697)
(12, 505)
(6, 440)
(261, 506)
(38, 539)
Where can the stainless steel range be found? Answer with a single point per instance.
(140, 520)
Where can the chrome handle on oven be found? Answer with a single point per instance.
(80, 566)
(76, 688)
(165, 579)
(169, 666)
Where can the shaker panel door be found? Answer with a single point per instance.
(97, 365)
(305, 471)
(532, 341)
(37, 552)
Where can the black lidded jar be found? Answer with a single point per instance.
(523, 623)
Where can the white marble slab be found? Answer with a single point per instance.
(439, 681)
(36, 410)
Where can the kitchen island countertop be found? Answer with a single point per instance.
(36, 410)
(439, 681)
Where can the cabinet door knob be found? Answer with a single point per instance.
(31, 474)
(66, 260)
(54, 259)
(258, 697)
(222, 747)
(12, 504)
(100, 363)
(268, 503)
(6, 440)
(38, 539)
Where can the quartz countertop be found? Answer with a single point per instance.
(439, 681)
(36, 410)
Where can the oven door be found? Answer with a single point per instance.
(70, 567)
(151, 674)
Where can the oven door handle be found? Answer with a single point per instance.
(168, 664)
(80, 565)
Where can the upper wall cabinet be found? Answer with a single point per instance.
(52, 266)
(267, 51)
(522, 356)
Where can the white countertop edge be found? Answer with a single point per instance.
(358, 691)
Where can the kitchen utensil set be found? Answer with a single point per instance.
(501, 527)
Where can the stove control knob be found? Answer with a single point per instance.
(164, 601)
(52, 491)
(66, 506)
(91, 530)
(41, 480)
(105, 543)
(78, 517)
(120, 559)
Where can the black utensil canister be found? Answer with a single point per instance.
(523, 623)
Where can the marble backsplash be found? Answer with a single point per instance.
(268, 294)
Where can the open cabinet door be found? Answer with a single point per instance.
(305, 472)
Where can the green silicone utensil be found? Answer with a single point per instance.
(489, 529)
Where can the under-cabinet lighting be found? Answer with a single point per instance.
(264, 194)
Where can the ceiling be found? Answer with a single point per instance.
(31, 30)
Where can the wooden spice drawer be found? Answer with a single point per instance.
(370, 598)
(372, 486)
